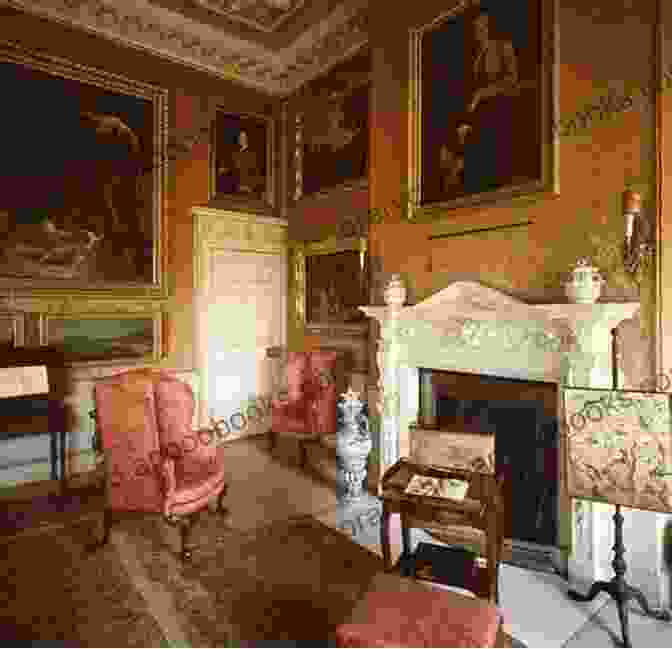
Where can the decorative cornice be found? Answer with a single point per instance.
(242, 11)
(170, 35)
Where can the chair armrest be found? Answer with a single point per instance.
(207, 439)
(168, 476)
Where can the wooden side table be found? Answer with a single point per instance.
(30, 406)
(480, 509)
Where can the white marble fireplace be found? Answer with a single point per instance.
(468, 327)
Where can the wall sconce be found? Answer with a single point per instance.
(639, 245)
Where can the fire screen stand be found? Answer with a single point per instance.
(619, 589)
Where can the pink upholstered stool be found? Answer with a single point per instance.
(398, 612)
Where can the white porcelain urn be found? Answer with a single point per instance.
(585, 283)
(353, 445)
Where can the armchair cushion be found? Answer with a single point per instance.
(195, 489)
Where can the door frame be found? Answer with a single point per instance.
(216, 231)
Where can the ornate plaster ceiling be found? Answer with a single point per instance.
(265, 15)
(272, 45)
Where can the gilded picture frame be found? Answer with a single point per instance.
(470, 68)
(12, 328)
(63, 241)
(245, 176)
(331, 148)
(329, 282)
(87, 338)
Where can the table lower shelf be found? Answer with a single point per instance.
(447, 566)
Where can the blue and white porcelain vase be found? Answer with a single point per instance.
(353, 445)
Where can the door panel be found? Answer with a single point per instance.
(246, 313)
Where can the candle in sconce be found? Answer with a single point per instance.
(629, 225)
(632, 204)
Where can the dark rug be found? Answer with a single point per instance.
(55, 593)
(16, 516)
(288, 584)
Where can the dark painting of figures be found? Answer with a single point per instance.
(79, 189)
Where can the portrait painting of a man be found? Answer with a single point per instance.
(481, 86)
(241, 157)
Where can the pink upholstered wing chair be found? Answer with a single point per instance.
(154, 461)
(307, 409)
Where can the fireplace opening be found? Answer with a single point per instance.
(523, 417)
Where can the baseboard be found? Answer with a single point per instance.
(532, 555)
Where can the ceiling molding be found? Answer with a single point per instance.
(266, 16)
(168, 34)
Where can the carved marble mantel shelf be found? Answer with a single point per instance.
(468, 327)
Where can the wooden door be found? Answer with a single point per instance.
(245, 314)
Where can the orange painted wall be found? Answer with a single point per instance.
(313, 219)
(664, 277)
(594, 167)
(191, 187)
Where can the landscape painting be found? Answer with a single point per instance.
(81, 175)
(481, 86)
(95, 339)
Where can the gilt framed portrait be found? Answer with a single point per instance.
(333, 144)
(82, 172)
(241, 158)
(482, 105)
